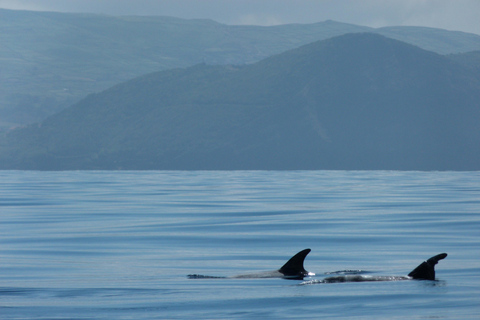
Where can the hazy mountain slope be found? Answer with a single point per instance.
(358, 101)
(432, 39)
(50, 60)
(469, 60)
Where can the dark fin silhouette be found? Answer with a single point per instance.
(294, 269)
(426, 270)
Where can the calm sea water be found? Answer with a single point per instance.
(119, 245)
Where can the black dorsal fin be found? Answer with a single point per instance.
(294, 267)
(426, 270)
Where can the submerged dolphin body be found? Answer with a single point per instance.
(425, 271)
(292, 270)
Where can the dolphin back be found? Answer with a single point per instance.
(294, 269)
(201, 276)
(426, 270)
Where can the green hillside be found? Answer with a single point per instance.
(358, 101)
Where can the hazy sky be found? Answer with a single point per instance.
(462, 15)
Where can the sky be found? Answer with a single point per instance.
(459, 15)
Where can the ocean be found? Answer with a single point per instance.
(120, 244)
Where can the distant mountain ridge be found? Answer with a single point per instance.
(51, 60)
(357, 101)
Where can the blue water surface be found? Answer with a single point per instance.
(120, 244)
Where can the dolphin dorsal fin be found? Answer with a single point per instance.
(294, 267)
(426, 270)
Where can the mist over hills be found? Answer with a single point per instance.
(51, 60)
(357, 101)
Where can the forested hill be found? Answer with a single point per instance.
(357, 101)
(50, 60)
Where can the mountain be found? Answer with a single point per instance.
(51, 60)
(470, 60)
(357, 101)
(432, 39)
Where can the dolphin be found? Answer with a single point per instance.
(425, 271)
(293, 270)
